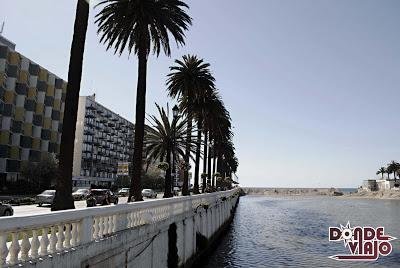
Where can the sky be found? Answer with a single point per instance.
(312, 86)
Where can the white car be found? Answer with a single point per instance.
(123, 192)
(46, 197)
(80, 194)
(149, 193)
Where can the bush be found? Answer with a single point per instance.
(38, 176)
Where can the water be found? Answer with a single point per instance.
(293, 231)
(348, 190)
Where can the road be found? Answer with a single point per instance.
(36, 210)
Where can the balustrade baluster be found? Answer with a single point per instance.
(134, 219)
(129, 218)
(110, 224)
(115, 221)
(3, 248)
(96, 228)
(25, 246)
(44, 241)
(53, 239)
(14, 248)
(35, 244)
(60, 237)
(79, 232)
(105, 225)
(74, 235)
(67, 242)
(101, 227)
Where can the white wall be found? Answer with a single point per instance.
(145, 245)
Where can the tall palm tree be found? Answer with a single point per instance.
(163, 138)
(217, 122)
(140, 26)
(200, 107)
(381, 171)
(188, 80)
(393, 166)
(63, 198)
(203, 118)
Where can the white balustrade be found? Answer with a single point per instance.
(24, 238)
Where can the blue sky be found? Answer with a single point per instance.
(312, 86)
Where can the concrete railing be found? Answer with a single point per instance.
(26, 238)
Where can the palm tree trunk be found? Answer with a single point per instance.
(209, 162)
(63, 198)
(136, 181)
(167, 190)
(185, 188)
(205, 161)
(197, 164)
(214, 179)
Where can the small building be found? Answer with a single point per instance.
(385, 184)
(379, 185)
(370, 185)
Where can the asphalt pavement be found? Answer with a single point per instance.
(28, 210)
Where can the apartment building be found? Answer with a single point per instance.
(31, 111)
(103, 139)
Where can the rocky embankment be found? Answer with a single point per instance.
(388, 194)
(289, 191)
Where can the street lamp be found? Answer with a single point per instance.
(175, 113)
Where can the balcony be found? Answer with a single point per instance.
(88, 132)
(91, 108)
(88, 141)
(90, 115)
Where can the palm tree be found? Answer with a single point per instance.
(188, 80)
(206, 113)
(217, 122)
(392, 168)
(200, 107)
(140, 26)
(63, 198)
(381, 171)
(162, 138)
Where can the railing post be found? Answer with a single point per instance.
(86, 230)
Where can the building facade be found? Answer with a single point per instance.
(103, 140)
(31, 112)
(380, 185)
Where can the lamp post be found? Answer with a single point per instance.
(175, 113)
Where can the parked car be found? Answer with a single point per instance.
(45, 197)
(149, 193)
(104, 196)
(6, 210)
(123, 192)
(80, 194)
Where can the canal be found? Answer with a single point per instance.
(293, 231)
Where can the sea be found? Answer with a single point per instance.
(292, 231)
